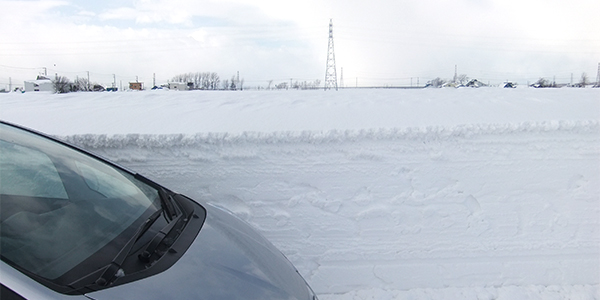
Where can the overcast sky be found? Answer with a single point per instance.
(377, 42)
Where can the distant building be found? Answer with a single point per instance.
(178, 86)
(475, 83)
(41, 84)
(135, 86)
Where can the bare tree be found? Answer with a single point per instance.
(282, 86)
(81, 84)
(61, 84)
(317, 83)
(585, 80)
(462, 79)
(205, 82)
(233, 84)
(197, 80)
(226, 84)
(436, 82)
(214, 81)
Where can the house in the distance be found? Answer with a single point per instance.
(179, 86)
(135, 86)
(41, 84)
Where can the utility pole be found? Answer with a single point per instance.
(571, 80)
(455, 74)
(598, 76)
(114, 80)
(9, 84)
(153, 79)
(330, 70)
(88, 83)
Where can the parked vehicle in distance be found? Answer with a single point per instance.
(76, 226)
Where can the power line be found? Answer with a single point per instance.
(22, 68)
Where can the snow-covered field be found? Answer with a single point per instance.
(374, 194)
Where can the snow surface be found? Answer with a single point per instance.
(374, 194)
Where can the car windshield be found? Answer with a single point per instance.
(60, 206)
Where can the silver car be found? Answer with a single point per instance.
(75, 226)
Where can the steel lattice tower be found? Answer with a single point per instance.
(330, 71)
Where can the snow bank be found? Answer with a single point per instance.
(320, 137)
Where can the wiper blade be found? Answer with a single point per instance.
(168, 204)
(114, 270)
(164, 239)
(166, 200)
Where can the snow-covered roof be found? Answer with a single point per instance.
(39, 81)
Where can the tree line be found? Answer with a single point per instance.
(199, 80)
(209, 81)
(196, 81)
(62, 84)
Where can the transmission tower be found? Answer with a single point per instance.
(330, 73)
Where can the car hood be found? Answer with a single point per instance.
(227, 260)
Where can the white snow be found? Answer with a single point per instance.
(483, 193)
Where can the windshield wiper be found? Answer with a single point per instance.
(165, 236)
(166, 200)
(168, 204)
(114, 270)
(164, 239)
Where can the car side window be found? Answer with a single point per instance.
(28, 172)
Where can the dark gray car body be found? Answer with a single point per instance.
(228, 260)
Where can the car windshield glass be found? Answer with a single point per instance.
(60, 206)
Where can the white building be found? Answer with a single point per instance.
(178, 86)
(41, 84)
